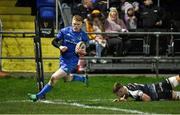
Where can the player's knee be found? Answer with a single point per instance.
(68, 78)
(52, 81)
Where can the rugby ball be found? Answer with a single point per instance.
(80, 45)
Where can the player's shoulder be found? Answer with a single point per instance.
(132, 86)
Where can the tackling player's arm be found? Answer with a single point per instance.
(145, 97)
(142, 96)
(120, 99)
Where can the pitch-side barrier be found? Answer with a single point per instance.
(155, 61)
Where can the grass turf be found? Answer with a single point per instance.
(75, 98)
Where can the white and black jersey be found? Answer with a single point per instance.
(161, 90)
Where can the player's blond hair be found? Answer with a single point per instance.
(77, 18)
(116, 87)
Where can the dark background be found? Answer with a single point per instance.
(172, 7)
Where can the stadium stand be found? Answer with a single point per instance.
(19, 19)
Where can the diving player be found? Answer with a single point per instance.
(148, 92)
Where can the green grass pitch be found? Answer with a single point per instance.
(75, 98)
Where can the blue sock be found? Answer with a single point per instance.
(45, 89)
(78, 78)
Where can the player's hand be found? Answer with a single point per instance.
(63, 48)
(81, 52)
(119, 100)
(122, 99)
(115, 100)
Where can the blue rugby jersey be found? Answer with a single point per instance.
(70, 39)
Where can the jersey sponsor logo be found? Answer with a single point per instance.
(71, 41)
(79, 37)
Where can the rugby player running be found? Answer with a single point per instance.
(66, 40)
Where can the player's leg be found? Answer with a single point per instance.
(78, 77)
(174, 81)
(60, 73)
(53, 80)
(75, 77)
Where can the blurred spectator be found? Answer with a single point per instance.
(87, 6)
(151, 16)
(152, 19)
(114, 24)
(95, 23)
(122, 4)
(130, 18)
(126, 3)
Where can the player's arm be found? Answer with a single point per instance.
(145, 97)
(58, 44)
(141, 96)
(58, 41)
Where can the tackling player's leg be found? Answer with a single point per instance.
(176, 95)
(175, 81)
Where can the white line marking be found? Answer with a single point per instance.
(90, 100)
(95, 107)
(62, 102)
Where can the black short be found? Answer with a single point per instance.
(164, 89)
